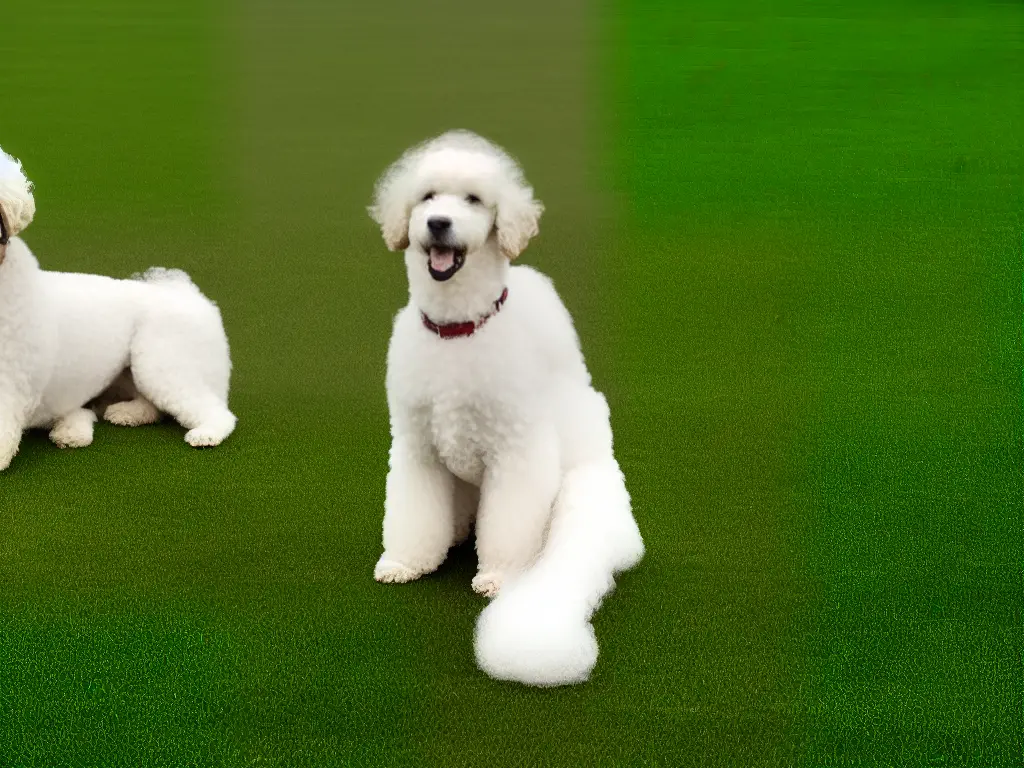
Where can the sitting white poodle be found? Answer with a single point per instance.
(493, 417)
(155, 343)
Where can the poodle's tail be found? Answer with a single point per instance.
(165, 276)
(537, 630)
(172, 278)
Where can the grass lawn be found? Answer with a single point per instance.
(791, 234)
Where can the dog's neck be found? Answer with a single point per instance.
(467, 296)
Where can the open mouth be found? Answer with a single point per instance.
(443, 261)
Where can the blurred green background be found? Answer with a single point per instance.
(790, 234)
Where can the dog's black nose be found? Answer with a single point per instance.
(438, 225)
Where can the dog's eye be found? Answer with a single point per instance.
(428, 196)
(472, 199)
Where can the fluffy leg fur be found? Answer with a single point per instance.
(538, 631)
(74, 430)
(181, 365)
(419, 524)
(10, 439)
(132, 413)
(515, 507)
(14, 413)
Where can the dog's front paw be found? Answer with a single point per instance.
(70, 438)
(74, 430)
(488, 584)
(394, 572)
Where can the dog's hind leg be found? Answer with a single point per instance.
(199, 410)
(121, 404)
(538, 631)
(180, 367)
(73, 430)
(515, 509)
(132, 413)
(213, 425)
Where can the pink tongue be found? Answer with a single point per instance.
(441, 260)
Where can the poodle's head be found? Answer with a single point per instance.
(17, 206)
(451, 197)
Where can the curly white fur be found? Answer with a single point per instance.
(19, 206)
(538, 630)
(501, 427)
(155, 342)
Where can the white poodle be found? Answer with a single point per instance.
(155, 344)
(493, 417)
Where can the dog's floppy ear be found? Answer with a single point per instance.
(517, 221)
(393, 218)
(391, 206)
(17, 205)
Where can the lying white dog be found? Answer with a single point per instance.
(66, 339)
(493, 417)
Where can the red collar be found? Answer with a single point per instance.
(468, 328)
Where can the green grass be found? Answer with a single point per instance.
(832, 199)
(791, 236)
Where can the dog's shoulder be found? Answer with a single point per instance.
(547, 320)
(403, 348)
(405, 320)
(524, 276)
(538, 297)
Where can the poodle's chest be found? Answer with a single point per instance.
(466, 436)
(461, 442)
